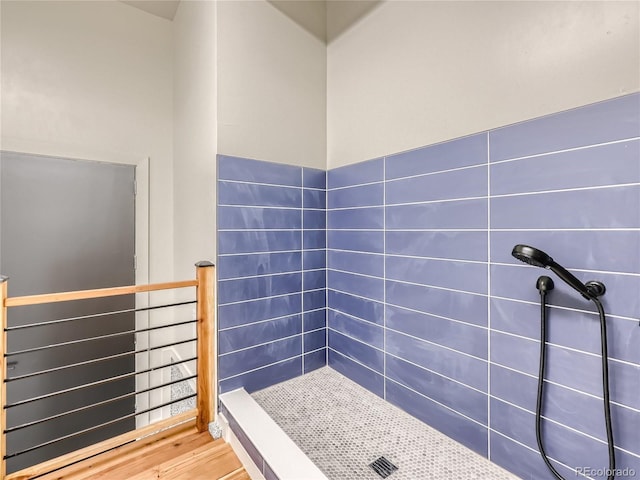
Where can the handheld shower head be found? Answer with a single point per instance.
(532, 256)
(538, 258)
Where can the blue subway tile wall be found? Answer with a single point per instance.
(428, 309)
(314, 263)
(397, 272)
(355, 272)
(271, 272)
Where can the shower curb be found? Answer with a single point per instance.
(272, 451)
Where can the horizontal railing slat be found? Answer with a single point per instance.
(95, 293)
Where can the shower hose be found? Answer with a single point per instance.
(605, 385)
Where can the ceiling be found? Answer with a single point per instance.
(325, 19)
(161, 8)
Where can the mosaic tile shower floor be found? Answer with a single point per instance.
(342, 428)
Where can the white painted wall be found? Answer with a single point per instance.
(194, 153)
(271, 86)
(195, 135)
(415, 73)
(93, 80)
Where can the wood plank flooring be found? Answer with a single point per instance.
(180, 453)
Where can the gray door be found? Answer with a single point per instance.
(67, 225)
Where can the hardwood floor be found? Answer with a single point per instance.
(180, 453)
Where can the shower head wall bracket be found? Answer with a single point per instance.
(596, 288)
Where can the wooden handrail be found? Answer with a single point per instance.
(96, 293)
(204, 412)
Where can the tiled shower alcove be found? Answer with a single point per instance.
(397, 273)
(343, 427)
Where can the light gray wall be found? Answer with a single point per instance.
(93, 80)
(195, 135)
(411, 74)
(248, 82)
(271, 86)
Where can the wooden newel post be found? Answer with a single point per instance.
(205, 296)
(3, 376)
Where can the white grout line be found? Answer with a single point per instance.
(357, 340)
(563, 425)
(537, 452)
(437, 172)
(235, 327)
(437, 402)
(575, 390)
(258, 299)
(585, 147)
(624, 362)
(438, 374)
(438, 288)
(595, 145)
(314, 330)
(356, 229)
(248, 277)
(314, 310)
(259, 368)
(354, 251)
(583, 270)
(356, 273)
(419, 257)
(565, 347)
(246, 230)
(541, 192)
(488, 397)
(562, 190)
(354, 295)
(369, 322)
(477, 358)
(424, 230)
(271, 207)
(560, 307)
(314, 351)
(267, 252)
(599, 229)
(445, 200)
(469, 324)
(270, 342)
(326, 271)
(314, 290)
(262, 184)
(270, 252)
(489, 292)
(302, 262)
(355, 185)
(355, 361)
(440, 345)
(353, 207)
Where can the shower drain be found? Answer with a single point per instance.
(383, 467)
